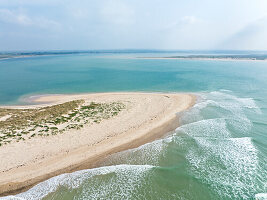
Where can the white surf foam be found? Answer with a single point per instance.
(223, 105)
(230, 166)
(147, 154)
(244, 102)
(126, 176)
(212, 128)
(261, 196)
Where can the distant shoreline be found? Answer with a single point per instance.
(185, 55)
(202, 58)
(29, 162)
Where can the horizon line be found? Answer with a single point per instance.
(133, 50)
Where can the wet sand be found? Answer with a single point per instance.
(147, 116)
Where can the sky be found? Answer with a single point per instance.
(133, 24)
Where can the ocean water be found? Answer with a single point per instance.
(218, 152)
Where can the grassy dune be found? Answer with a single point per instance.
(22, 124)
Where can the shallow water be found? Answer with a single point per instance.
(218, 152)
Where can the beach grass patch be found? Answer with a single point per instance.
(54, 119)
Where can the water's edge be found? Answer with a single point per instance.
(99, 160)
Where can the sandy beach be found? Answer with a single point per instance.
(146, 117)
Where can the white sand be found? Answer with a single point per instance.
(147, 116)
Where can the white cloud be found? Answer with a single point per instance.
(252, 36)
(117, 12)
(190, 20)
(188, 32)
(79, 13)
(7, 16)
(132, 23)
(31, 2)
(184, 22)
(16, 17)
(46, 23)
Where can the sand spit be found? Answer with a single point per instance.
(144, 118)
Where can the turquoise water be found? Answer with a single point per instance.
(218, 152)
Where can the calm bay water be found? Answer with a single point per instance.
(218, 152)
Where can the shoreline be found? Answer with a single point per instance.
(29, 100)
(121, 133)
(158, 58)
(209, 59)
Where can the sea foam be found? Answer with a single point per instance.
(115, 178)
(206, 138)
(228, 164)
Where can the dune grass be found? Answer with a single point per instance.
(23, 124)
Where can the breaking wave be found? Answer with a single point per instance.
(212, 148)
(121, 180)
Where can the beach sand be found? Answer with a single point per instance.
(147, 116)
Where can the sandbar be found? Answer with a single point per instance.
(146, 117)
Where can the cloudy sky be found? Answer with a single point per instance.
(133, 24)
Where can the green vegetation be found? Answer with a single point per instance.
(24, 124)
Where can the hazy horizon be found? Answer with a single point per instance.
(28, 25)
(125, 50)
